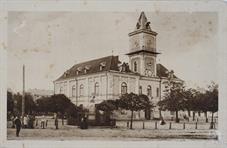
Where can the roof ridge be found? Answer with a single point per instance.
(91, 60)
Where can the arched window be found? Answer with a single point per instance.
(81, 90)
(140, 90)
(157, 92)
(61, 90)
(149, 91)
(96, 88)
(135, 66)
(123, 88)
(73, 91)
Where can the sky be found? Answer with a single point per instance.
(49, 43)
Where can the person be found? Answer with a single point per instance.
(43, 122)
(36, 122)
(25, 121)
(13, 119)
(29, 121)
(32, 120)
(46, 123)
(85, 123)
(82, 123)
(17, 122)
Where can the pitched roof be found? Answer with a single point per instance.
(92, 66)
(108, 63)
(163, 71)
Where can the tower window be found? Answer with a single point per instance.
(149, 91)
(123, 88)
(135, 66)
(140, 90)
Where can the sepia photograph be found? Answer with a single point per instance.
(138, 75)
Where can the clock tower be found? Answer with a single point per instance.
(142, 48)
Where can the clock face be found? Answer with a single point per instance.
(149, 43)
(149, 65)
(148, 72)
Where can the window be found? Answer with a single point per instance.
(149, 91)
(96, 88)
(87, 68)
(140, 90)
(79, 69)
(102, 65)
(61, 90)
(81, 90)
(123, 88)
(157, 92)
(65, 88)
(135, 66)
(73, 91)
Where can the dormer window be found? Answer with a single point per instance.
(66, 73)
(86, 69)
(102, 65)
(79, 69)
(124, 67)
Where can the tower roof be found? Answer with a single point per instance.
(142, 22)
(143, 25)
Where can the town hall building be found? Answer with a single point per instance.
(106, 78)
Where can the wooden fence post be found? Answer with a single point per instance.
(156, 125)
(143, 125)
(196, 125)
(170, 125)
(184, 125)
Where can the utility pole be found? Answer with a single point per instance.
(23, 95)
(160, 95)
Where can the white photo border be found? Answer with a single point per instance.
(122, 6)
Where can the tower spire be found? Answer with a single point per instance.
(142, 22)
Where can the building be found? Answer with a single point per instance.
(91, 82)
(39, 93)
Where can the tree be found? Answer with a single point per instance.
(190, 95)
(10, 102)
(43, 104)
(174, 100)
(30, 105)
(57, 104)
(212, 101)
(133, 102)
(107, 106)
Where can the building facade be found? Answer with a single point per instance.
(91, 82)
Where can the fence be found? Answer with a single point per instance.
(169, 125)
